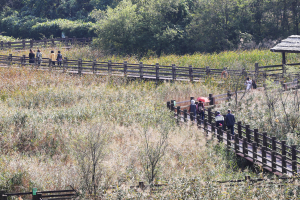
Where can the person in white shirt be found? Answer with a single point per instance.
(219, 119)
(248, 84)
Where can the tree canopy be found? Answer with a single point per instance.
(160, 26)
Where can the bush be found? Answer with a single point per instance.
(37, 28)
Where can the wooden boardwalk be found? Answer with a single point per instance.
(272, 155)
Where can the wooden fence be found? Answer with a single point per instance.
(273, 155)
(141, 70)
(42, 195)
(45, 43)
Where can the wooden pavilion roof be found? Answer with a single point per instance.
(289, 45)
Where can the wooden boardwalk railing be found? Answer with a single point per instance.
(45, 43)
(141, 70)
(42, 195)
(269, 153)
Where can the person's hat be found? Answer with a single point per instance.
(228, 110)
(218, 112)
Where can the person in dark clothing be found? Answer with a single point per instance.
(230, 121)
(254, 86)
(193, 109)
(200, 110)
(31, 56)
(59, 58)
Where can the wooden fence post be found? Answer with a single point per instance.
(109, 67)
(31, 43)
(207, 71)
(205, 126)
(256, 137)
(209, 115)
(254, 148)
(213, 129)
(185, 115)
(79, 66)
(65, 64)
(50, 64)
(273, 158)
(94, 66)
(1, 45)
(9, 60)
(169, 105)
(211, 99)
(141, 185)
(191, 73)
(141, 66)
(23, 60)
(66, 40)
(157, 71)
(125, 68)
(23, 44)
(173, 72)
(274, 144)
(228, 139)
(178, 114)
(248, 133)
(256, 71)
(236, 144)
(263, 155)
(265, 144)
(172, 105)
(283, 156)
(294, 159)
(245, 147)
(52, 41)
(74, 40)
(240, 130)
(9, 44)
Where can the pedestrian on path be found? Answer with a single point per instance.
(39, 57)
(31, 56)
(230, 121)
(52, 57)
(193, 109)
(248, 83)
(200, 110)
(59, 58)
(219, 119)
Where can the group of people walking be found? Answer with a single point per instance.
(198, 109)
(54, 58)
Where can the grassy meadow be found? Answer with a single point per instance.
(52, 123)
(230, 59)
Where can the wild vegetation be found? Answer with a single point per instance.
(97, 132)
(155, 26)
(230, 59)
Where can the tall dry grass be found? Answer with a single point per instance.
(44, 114)
(230, 59)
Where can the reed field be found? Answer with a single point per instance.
(49, 121)
(230, 59)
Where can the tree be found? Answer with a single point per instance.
(152, 152)
(91, 149)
